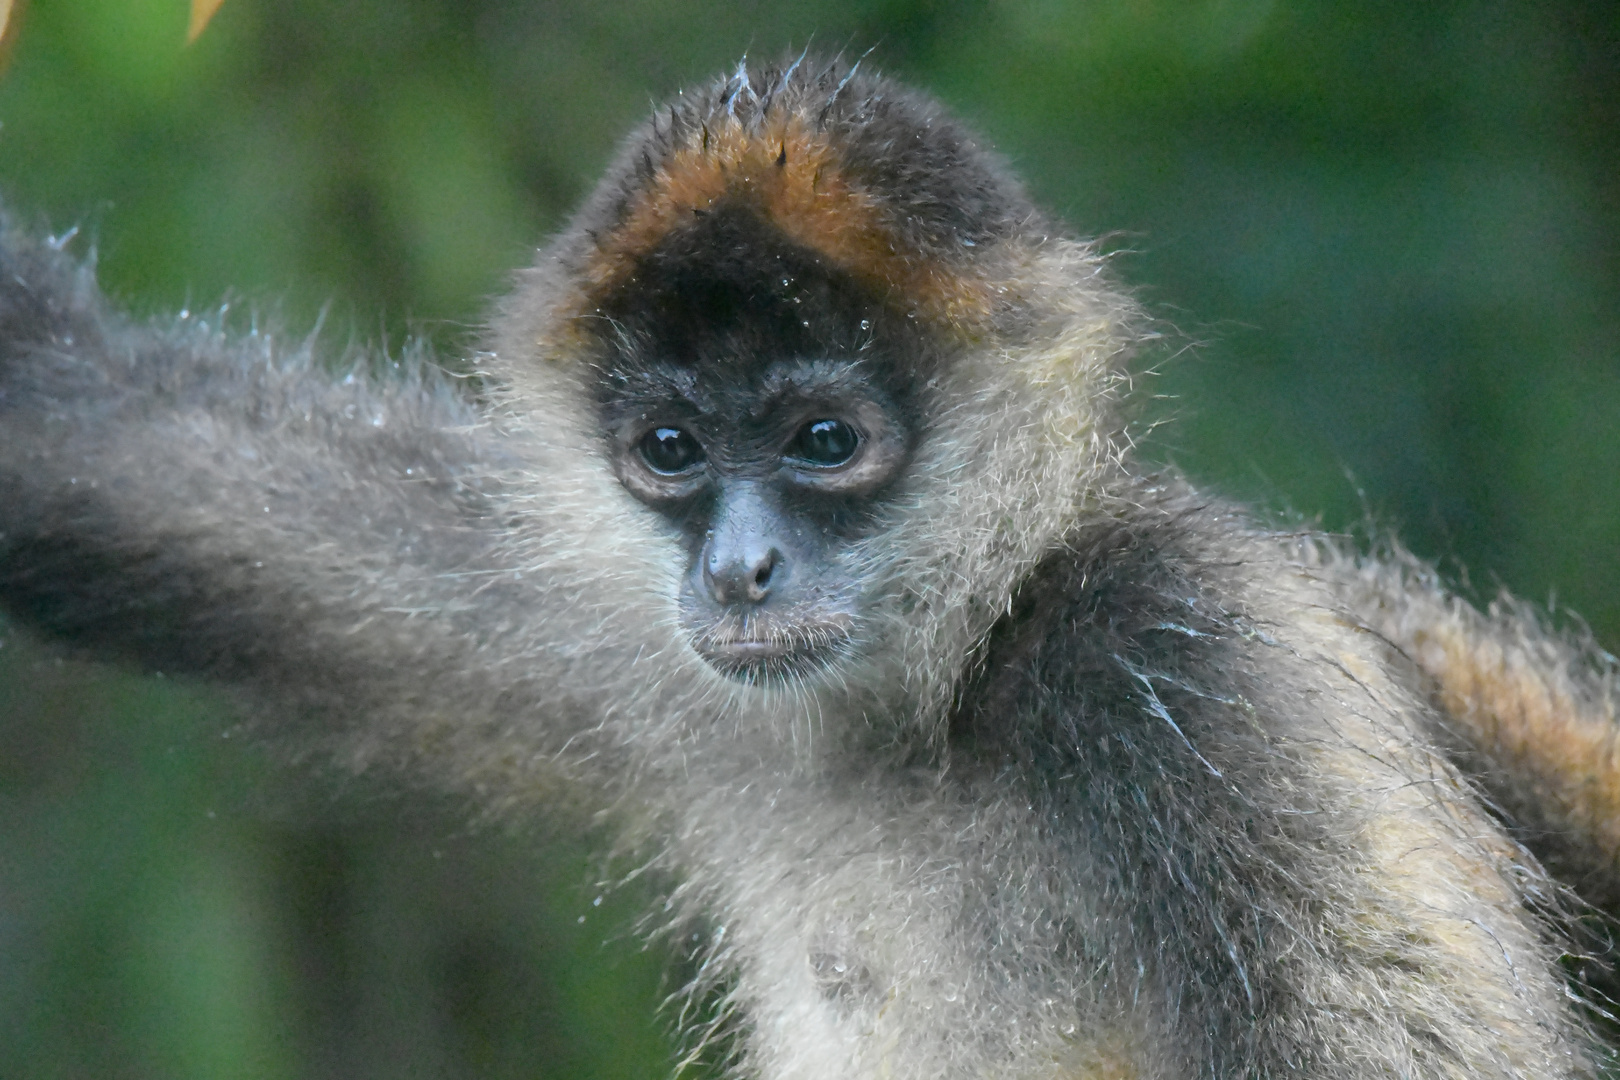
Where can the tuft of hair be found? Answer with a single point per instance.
(874, 179)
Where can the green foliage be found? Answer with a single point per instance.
(1393, 229)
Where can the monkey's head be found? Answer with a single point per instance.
(826, 339)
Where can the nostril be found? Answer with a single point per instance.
(759, 582)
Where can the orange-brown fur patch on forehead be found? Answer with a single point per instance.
(792, 177)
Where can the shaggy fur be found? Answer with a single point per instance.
(1118, 784)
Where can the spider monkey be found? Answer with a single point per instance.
(794, 526)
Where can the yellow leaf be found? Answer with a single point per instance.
(201, 12)
(5, 17)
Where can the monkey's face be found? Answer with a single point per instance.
(769, 481)
(755, 400)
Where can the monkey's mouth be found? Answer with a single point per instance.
(759, 648)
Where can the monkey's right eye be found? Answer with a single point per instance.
(670, 450)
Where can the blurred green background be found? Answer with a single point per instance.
(1393, 229)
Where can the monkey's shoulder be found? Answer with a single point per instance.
(1172, 619)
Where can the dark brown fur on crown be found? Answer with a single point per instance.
(872, 180)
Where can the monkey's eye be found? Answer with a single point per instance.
(670, 450)
(824, 443)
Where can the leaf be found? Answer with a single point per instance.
(201, 12)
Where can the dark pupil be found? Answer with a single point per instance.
(826, 442)
(670, 450)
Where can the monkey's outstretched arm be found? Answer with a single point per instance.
(225, 506)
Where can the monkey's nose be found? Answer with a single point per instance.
(740, 577)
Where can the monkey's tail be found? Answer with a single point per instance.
(1530, 709)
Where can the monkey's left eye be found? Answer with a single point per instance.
(824, 443)
(670, 450)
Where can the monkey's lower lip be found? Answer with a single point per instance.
(750, 658)
(749, 651)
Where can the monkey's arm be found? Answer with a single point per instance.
(226, 507)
